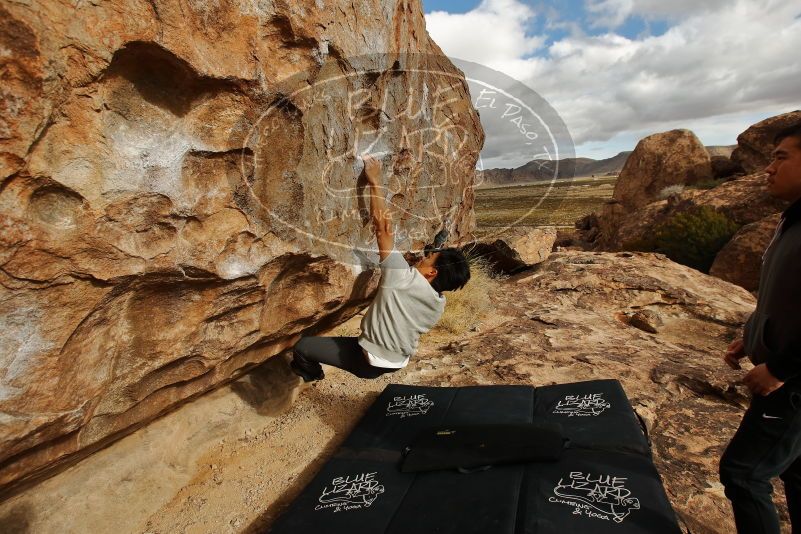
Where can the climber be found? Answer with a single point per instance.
(408, 303)
(768, 441)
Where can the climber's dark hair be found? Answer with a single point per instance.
(794, 130)
(453, 270)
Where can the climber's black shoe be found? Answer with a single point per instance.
(307, 377)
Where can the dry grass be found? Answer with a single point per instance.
(542, 204)
(466, 307)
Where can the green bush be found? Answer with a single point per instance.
(692, 238)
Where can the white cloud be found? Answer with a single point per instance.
(496, 28)
(732, 59)
(609, 13)
(613, 13)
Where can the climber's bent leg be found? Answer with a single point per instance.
(343, 352)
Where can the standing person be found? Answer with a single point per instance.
(768, 442)
(408, 303)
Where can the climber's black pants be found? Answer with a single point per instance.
(343, 352)
(767, 444)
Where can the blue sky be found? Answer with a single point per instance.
(619, 70)
(573, 10)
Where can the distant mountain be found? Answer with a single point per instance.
(721, 150)
(543, 169)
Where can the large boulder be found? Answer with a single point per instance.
(740, 261)
(756, 143)
(179, 200)
(660, 160)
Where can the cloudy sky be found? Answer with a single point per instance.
(618, 70)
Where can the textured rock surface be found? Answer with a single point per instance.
(164, 168)
(724, 167)
(534, 245)
(658, 161)
(229, 462)
(756, 143)
(740, 261)
(743, 200)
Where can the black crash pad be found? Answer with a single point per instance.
(605, 482)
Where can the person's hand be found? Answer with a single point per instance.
(372, 168)
(760, 380)
(734, 353)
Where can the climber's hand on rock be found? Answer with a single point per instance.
(372, 168)
(761, 381)
(734, 353)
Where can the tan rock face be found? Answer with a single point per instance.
(179, 200)
(740, 261)
(756, 143)
(659, 161)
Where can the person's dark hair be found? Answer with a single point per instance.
(794, 130)
(453, 270)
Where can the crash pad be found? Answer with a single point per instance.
(604, 482)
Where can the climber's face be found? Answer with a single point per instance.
(427, 266)
(784, 172)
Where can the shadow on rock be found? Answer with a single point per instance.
(270, 388)
(17, 520)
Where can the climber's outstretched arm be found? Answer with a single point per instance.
(380, 215)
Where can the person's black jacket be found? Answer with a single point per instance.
(772, 334)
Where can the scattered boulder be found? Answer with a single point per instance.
(517, 249)
(587, 222)
(755, 144)
(724, 167)
(533, 245)
(646, 320)
(740, 261)
(633, 227)
(659, 161)
(569, 238)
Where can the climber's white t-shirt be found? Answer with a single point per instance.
(404, 307)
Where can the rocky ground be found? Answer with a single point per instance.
(232, 459)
